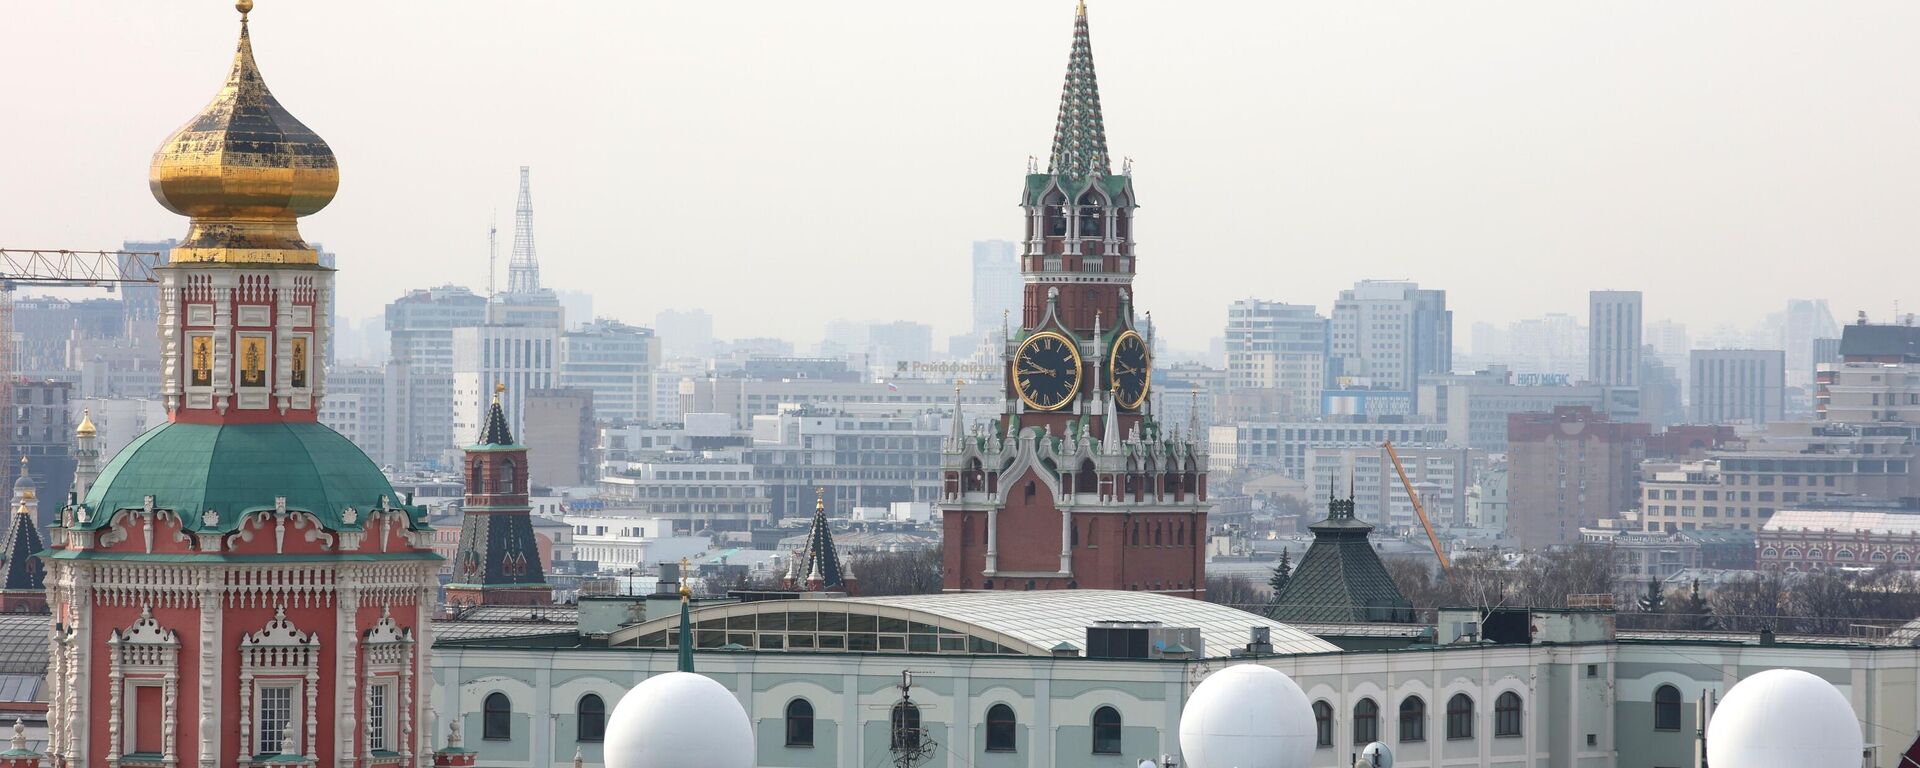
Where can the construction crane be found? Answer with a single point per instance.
(62, 268)
(1446, 568)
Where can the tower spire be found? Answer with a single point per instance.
(1079, 135)
(523, 272)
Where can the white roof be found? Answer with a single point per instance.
(1845, 521)
(1046, 618)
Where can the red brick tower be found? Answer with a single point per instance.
(1077, 485)
(498, 562)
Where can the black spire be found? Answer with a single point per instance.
(495, 430)
(820, 561)
(24, 572)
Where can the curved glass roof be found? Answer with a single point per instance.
(1017, 623)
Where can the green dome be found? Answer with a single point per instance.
(234, 469)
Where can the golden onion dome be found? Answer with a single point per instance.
(86, 428)
(244, 170)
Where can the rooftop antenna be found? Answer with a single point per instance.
(493, 249)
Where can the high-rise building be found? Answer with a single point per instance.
(1613, 338)
(1567, 469)
(1474, 406)
(1281, 347)
(420, 327)
(521, 357)
(41, 439)
(1385, 334)
(1731, 386)
(684, 333)
(358, 407)
(901, 341)
(304, 636)
(996, 284)
(1796, 328)
(1077, 486)
(615, 362)
(560, 437)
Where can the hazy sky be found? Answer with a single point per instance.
(786, 163)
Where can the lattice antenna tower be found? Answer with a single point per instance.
(523, 272)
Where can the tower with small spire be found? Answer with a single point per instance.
(498, 560)
(1341, 578)
(24, 589)
(816, 566)
(86, 455)
(1077, 485)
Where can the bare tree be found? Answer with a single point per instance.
(1748, 604)
(898, 573)
(1237, 591)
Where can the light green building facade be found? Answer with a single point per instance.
(1584, 700)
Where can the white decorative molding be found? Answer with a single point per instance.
(279, 653)
(145, 652)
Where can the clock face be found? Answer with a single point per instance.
(1131, 369)
(1046, 371)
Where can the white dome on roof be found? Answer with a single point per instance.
(677, 720)
(1784, 718)
(1247, 716)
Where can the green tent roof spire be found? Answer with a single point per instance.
(686, 620)
(1079, 136)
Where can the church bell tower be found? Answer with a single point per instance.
(1076, 485)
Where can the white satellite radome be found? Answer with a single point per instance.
(677, 720)
(1247, 716)
(1784, 718)
(1375, 755)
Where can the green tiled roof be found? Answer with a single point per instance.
(234, 469)
(1341, 578)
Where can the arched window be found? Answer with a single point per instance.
(1845, 554)
(592, 725)
(1815, 554)
(1413, 719)
(1506, 715)
(496, 718)
(1322, 724)
(1666, 708)
(906, 727)
(474, 483)
(1086, 480)
(1366, 722)
(1878, 556)
(504, 483)
(1793, 553)
(1106, 731)
(1156, 534)
(1055, 213)
(1092, 215)
(1136, 534)
(1460, 717)
(1902, 557)
(799, 723)
(1000, 728)
(1770, 552)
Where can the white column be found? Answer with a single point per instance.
(993, 541)
(423, 732)
(1066, 543)
(347, 621)
(210, 669)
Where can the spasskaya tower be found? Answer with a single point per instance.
(1076, 486)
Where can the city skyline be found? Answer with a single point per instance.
(1613, 132)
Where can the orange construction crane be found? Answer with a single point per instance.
(54, 267)
(1445, 567)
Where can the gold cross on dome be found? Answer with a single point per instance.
(685, 591)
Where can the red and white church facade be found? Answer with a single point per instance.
(240, 585)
